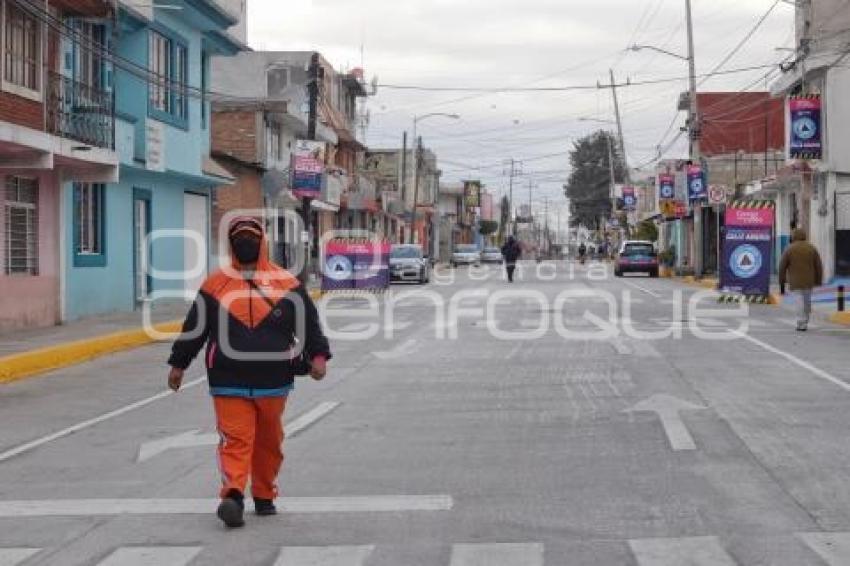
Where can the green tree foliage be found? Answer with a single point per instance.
(588, 187)
(647, 230)
(488, 227)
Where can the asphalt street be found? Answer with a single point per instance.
(571, 418)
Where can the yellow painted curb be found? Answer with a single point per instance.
(315, 294)
(34, 362)
(708, 283)
(774, 299)
(842, 318)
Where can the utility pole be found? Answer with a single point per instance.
(404, 167)
(315, 75)
(694, 129)
(546, 224)
(515, 168)
(417, 157)
(620, 127)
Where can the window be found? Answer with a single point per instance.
(90, 65)
(168, 62)
(21, 226)
(275, 142)
(160, 67)
(22, 48)
(89, 215)
(205, 78)
(277, 81)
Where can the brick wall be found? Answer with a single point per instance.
(21, 111)
(246, 193)
(234, 133)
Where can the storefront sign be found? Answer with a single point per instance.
(308, 166)
(357, 264)
(806, 137)
(748, 248)
(697, 189)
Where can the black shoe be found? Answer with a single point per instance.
(231, 510)
(264, 507)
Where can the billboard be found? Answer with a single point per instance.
(308, 167)
(666, 187)
(806, 137)
(748, 247)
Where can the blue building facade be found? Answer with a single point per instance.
(148, 232)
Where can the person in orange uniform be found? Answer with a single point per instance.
(261, 329)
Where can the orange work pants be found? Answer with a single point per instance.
(251, 445)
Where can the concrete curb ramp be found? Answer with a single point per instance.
(842, 318)
(34, 362)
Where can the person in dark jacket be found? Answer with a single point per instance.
(801, 266)
(511, 251)
(261, 329)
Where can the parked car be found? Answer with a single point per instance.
(637, 256)
(408, 263)
(491, 255)
(466, 254)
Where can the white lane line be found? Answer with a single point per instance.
(696, 551)
(794, 359)
(833, 548)
(641, 288)
(310, 418)
(18, 450)
(500, 554)
(399, 351)
(14, 556)
(289, 505)
(324, 555)
(152, 556)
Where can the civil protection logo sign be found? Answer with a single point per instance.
(806, 133)
(339, 268)
(746, 261)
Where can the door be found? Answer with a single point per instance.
(141, 247)
(195, 253)
(842, 233)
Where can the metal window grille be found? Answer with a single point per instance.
(89, 201)
(160, 67)
(22, 47)
(21, 212)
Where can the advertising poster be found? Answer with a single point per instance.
(356, 264)
(666, 187)
(806, 138)
(697, 189)
(629, 198)
(472, 194)
(308, 166)
(748, 248)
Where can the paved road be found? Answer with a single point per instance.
(570, 419)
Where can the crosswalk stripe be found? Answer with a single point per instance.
(695, 551)
(833, 548)
(13, 556)
(108, 507)
(324, 555)
(501, 554)
(152, 556)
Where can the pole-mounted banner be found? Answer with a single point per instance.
(748, 247)
(806, 136)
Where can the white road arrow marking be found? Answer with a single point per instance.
(668, 409)
(193, 438)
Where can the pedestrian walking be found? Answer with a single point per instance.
(511, 251)
(261, 329)
(801, 267)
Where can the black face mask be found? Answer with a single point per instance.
(246, 250)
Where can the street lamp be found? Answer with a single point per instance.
(417, 157)
(637, 47)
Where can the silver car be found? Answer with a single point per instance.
(466, 254)
(408, 263)
(492, 255)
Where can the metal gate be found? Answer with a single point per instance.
(842, 233)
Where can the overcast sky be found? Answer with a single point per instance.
(523, 43)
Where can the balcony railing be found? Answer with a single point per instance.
(80, 112)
